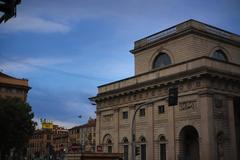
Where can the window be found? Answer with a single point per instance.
(125, 148)
(125, 152)
(161, 60)
(143, 148)
(219, 55)
(161, 109)
(142, 112)
(125, 115)
(109, 149)
(163, 151)
(162, 148)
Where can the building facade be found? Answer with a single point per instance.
(201, 65)
(83, 138)
(48, 142)
(11, 87)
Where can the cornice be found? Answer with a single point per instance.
(169, 81)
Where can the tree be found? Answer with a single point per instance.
(16, 127)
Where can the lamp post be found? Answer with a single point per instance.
(133, 125)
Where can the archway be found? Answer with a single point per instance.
(189, 143)
(107, 142)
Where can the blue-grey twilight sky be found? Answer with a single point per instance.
(66, 48)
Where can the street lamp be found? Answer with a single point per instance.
(133, 134)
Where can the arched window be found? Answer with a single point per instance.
(161, 60)
(162, 147)
(219, 55)
(125, 148)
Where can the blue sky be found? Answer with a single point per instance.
(66, 48)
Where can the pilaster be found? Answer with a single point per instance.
(207, 145)
(231, 122)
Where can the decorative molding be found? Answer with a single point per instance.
(107, 118)
(187, 105)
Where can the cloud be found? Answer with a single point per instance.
(29, 64)
(33, 24)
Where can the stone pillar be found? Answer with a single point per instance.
(231, 120)
(116, 130)
(171, 133)
(98, 126)
(207, 140)
(150, 132)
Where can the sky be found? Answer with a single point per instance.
(66, 48)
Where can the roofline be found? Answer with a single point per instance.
(13, 77)
(187, 22)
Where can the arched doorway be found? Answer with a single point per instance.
(107, 142)
(189, 143)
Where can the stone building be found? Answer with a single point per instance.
(46, 142)
(60, 143)
(201, 64)
(82, 138)
(11, 87)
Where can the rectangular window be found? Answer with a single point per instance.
(125, 115)
(161, 109)
(162, 151)
(142, 112)
(125, 152)
(143, 152)
(109, 149)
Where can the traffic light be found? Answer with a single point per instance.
(9, 9)
(137, 151)
(173, 96)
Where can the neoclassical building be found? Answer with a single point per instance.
(202, 64)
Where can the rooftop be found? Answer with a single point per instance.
(182, 29)
(9, 80)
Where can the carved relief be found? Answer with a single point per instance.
(187, 105)
(107, 118)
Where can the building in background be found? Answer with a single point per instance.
(82, 138)
(188, 77)
(50, 140)
(60, 144)
(11, 87)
